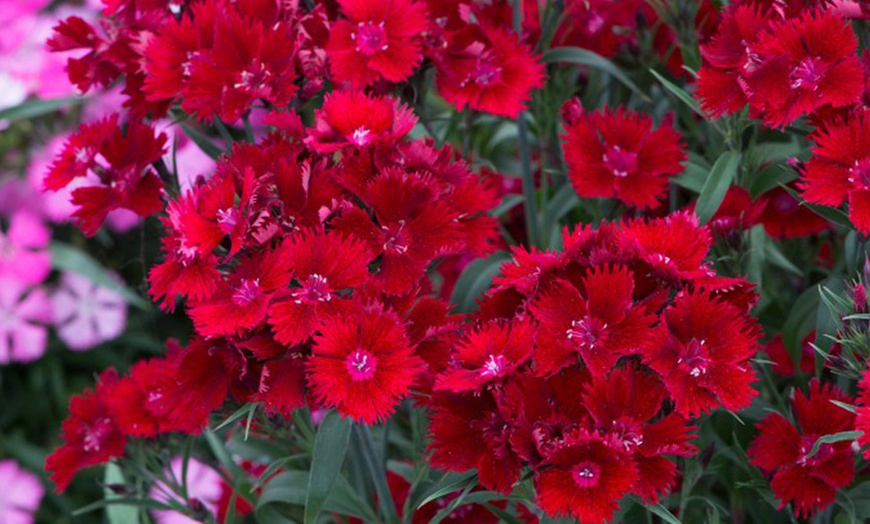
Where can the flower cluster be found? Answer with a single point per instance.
(631, 321)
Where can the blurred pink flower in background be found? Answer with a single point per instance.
(203, 487)
(20, 494)
(23, 249)
(25, 312)
(86, 314)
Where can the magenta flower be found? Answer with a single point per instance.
(24, 313)
(86, 314)
(23, 253)
(203, 486)
(20, 493)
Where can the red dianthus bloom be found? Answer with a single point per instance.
(839, 169)
(363, 364)
(91, 436)
(618, 154)
(810, 483)
(379, 39)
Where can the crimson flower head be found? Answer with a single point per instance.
(703, 356)
(618, 154)
(804, 64)
(809, 482)
(91, 436)
(588, 476)
(116, 167)
(380, 39)
(363, 364)
(487, 69)
(839, 169)
(785, 217)
(353, 118)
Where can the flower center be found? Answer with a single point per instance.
(361, 137)
(785, 204)
(695, 357)
(494, 366)
(859, 174)
(396, 238)
(254, 80)
(586, 474)
(227, 220)
(587, 332)
(247, 292)
(96, 435)
(361, 364)
(485, 71)
(807, 74)
(620, 162)
(370, 38)
(314, 289)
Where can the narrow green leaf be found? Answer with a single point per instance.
(848, 407)
(580, 56)
(202, 140)
(679, 92)
(125, 501)
(718, 181)
(692, 178)
(375, 464)
(237, 415)
(657, 510)
(561, 204)
(450, 482)
(507, 203)
(330, 446)
(290, 487)
(35, 107)
(833, 214)
(800, 321)
(777, 258)
(117, 513)
(831, 439)
(65, 257)
(475, 279)
(769, 178)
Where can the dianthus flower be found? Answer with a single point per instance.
(20, 493)
(810, 483)
(85, 313)
(802, 65)
(704, 354)
(618, 154)
(91, 436)
(23, 253)
(26, 313)
(380, 39)
(202, 485)
(363, 364)
(785, 217)
(487, 69)
(839, 169)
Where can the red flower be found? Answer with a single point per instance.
(810, 483)
(91, 436)
(674, 247)
(487, 354)
(623, 406)
(736, 213)
(619, 154)
(587, 478)
(804, 64)
(379, 39)
(862, 420)
(704, 354)
(729, 57)
(489, 70)
(840, 168)
(352, 118)
(363, 364)
(117, 167)
(783, 364)
(600, 322)
(785, 217)
(324, 264)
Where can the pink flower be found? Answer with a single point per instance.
(23, 315)
(20, 493)
(203, 487)
(85, 313)
(23, 253)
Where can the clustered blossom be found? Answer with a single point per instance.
(302, 262)
(630, 319)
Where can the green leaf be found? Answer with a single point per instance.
(35, 107)
(117, 513)
(718, 181)
(833, 214)
(375, 464)
(831, 439)
(692, 178)
(580, 56)
(848, 407)
(475, 279)
(769, 178)
(65, 257)
(561, 204)
(679, 92)
(450, 482)
(290, 487)
(657, 510)
(507, 203)
(800, 321)
(330, 446)
(203, 141)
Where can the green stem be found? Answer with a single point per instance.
(533, 228)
